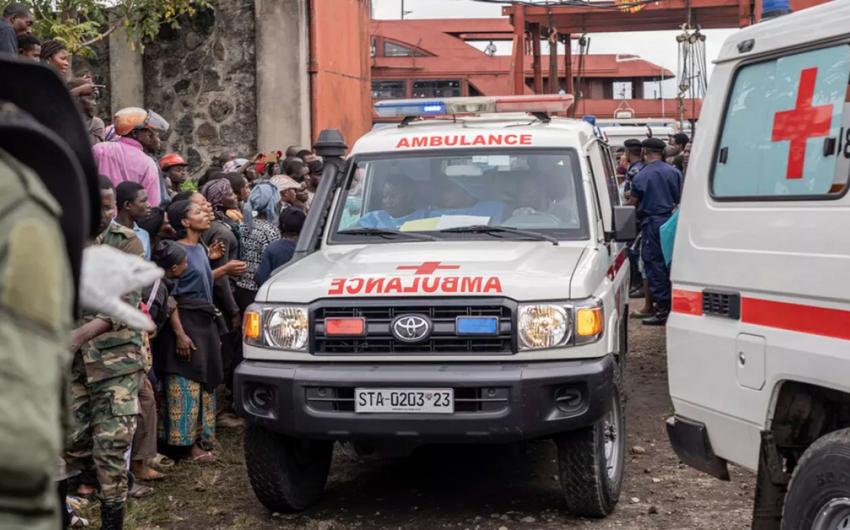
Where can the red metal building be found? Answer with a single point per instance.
(431, 58)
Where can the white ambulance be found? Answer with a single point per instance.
(461, 278)
(758, 342)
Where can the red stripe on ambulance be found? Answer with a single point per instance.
(451, 140)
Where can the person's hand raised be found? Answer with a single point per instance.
(217, 250)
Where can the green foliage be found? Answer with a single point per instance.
(81, 23)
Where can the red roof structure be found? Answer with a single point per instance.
(431, 58)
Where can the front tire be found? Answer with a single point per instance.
(287, 474)
(591, 461)
(818, 495)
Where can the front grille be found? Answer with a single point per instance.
(469, 400)
(444, 338)
(721, 304)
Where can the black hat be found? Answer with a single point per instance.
(45, 132)
(654, 144)
(632, 143)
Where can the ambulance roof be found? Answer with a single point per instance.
(496, 130)
(830, 19)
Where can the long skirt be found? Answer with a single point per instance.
(187, 413)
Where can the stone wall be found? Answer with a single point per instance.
(202, 79)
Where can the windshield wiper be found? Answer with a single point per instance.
(386, 233)
(485, 229)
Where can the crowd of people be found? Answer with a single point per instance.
(218, 239)
(143, 402)
(651, 176)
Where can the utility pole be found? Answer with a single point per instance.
(403, 12)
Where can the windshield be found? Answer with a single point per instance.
(519, 194)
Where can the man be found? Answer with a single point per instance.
(675, 147)
(292, 150)
(86, 94)
(686, 156)
(16, 23)
(226, 157)
(314, 178)
(306, 156)
(174, 170)
(29, 47)
(399, 205)
(656, 191)
(132, 206)
(128, 158)
(297, 171)
(108, 373)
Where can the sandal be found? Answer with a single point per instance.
(205, 457)
(162, 461)
(141, 492)
(640, 314)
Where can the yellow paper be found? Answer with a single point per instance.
(421, 225)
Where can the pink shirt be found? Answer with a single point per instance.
(123, 160)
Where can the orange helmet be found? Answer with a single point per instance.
(133, 119)
(169, 161)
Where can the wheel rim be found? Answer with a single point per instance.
(613, 442)
(834, 515)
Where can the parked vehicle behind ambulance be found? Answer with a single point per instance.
(459, 279)
(758, 342)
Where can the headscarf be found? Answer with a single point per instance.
(178, 211)
(264, 199)
(167, 254)
(215, 191)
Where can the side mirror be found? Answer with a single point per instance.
(625, 224)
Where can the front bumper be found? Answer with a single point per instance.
(494, 402)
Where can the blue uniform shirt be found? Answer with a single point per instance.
(658, 187)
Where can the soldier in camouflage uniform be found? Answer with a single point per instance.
(107, 374)
(47, 182)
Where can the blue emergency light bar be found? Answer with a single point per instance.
(401, 108)
(775, 8)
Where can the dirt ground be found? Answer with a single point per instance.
(470, 488)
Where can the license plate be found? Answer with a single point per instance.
(404, 400)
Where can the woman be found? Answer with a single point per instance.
(219, 193)
(55, 54)
(156, 224)
(188, 356)
(199, 199)
(258, 231)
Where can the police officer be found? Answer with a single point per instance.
(656, 191)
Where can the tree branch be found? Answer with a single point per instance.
(105, 34)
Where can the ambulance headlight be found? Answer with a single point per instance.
(280, 327)
(543, 326)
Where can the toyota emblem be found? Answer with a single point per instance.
(411, 328)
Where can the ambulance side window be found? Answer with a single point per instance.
(785, 132)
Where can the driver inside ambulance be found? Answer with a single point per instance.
(398, 202)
